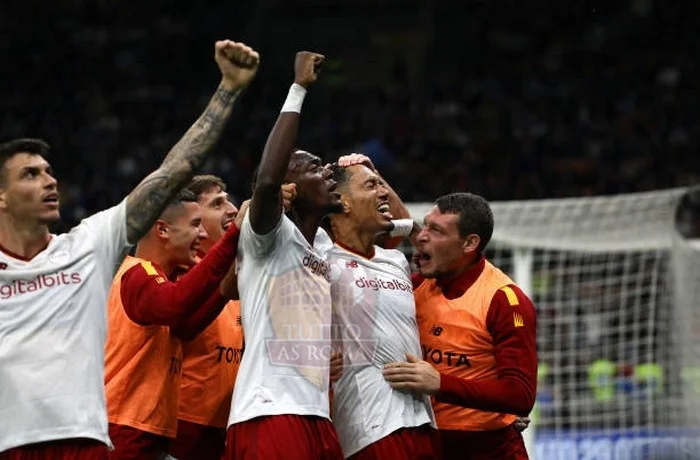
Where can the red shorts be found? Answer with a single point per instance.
(506, 444)
(132, 444)
(404, 444)
(64, 449)
(197, 442)
(288, 437)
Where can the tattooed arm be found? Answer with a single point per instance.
(238, 64)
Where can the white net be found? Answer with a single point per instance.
(616, 292)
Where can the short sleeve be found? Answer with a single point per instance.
(259, 246)
(106, 230)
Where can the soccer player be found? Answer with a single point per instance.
(148, 317)
(53, 289)
(210, 360)
(280, 400)
(477, 332)
(375, 322)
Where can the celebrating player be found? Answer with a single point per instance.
(375, 321)
(477, 331)
(54, 288)
(210, 360)
(280, 400)
(149, 314)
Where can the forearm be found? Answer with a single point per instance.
(168, 304)
(206, 314)
(265, 208)
(509, 395)
(149, 198)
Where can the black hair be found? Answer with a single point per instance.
(16, 146)
(474, 212)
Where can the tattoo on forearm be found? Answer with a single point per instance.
(147, 200)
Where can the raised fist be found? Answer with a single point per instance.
(306, 67)
(238, 63)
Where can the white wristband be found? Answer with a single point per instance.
(402, 227)
(295, 99)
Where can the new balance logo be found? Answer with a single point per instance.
(518, 320)
(436, 330)
(351, 264)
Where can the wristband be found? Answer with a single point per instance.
(295, 99)
(402, 227)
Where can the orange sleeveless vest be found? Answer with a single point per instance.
(454, 338)
(209, 368)
(142, 367)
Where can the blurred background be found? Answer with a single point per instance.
(513, 100)
(509, 99)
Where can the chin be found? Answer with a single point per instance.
(50, 218)
(335, 207)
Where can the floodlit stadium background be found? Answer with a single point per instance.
(509, 99)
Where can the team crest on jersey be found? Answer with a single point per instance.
(300, 314)
(3, 266)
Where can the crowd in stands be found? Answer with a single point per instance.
(548, 101)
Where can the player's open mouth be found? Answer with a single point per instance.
(51, 199)
(422, 258)
(385, 210)
(227, 224)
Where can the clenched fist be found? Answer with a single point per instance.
(238, 63)
(306, 67)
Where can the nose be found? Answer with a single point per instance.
(422, 236)
(231, 209)
(327, 172)
(382, 191)
(50, 181)
(201, 233)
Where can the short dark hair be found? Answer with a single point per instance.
(183, 196)
(173, 208)
(202, 183)
(341, 175)
(16, 146)
(474, 212)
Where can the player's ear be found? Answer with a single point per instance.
(471, 243)
(161, 228)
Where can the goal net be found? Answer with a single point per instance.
(617, 292)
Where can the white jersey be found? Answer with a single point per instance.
(374, 316)
(285, 295)
(52, 334)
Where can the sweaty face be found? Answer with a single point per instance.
(367, 200)
(184, 234)
(217, 215)
(440, 247)
(29, 192)
(315, 184)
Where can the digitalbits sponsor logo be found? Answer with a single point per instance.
(20, 287)
(355, 304)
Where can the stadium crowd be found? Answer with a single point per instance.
(547, 101)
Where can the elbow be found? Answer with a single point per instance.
(267, 185)
(523, 402)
